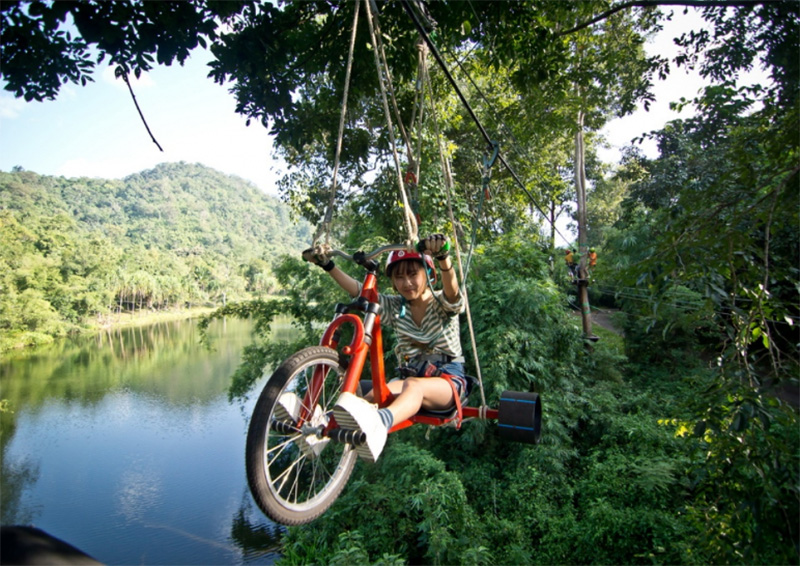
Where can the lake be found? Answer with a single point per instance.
(126, 446)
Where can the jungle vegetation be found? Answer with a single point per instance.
(675, 443)
(78, 252)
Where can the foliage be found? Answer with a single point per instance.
(37, 55)
(687, 453)
(726, 223)
(746, 502)
(709, 231)
(73, 251)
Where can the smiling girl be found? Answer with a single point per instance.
(428, 340)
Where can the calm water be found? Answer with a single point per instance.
(126, 446)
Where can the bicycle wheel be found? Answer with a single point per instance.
(294, 473)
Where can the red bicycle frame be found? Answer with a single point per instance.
(368, 339)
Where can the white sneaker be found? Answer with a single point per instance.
(287, 409)
(355, 413)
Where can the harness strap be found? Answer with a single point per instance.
(436, 358)
(456, 397)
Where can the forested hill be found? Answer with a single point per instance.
(75, 249)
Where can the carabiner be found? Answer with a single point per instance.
(487, 167)
(489, 161)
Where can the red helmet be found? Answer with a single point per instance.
(403, 255)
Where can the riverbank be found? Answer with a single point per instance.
(127, 319)
(15, 342)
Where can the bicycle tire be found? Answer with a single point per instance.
(290, 486)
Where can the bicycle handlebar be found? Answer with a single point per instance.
(373, 254)
(420, 247)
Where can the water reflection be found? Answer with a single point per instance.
(125, 445)
(255, 537)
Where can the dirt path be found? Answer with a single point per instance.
(603, 319)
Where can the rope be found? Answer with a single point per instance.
(326, 223)
(378, 42)
(448, 183)
(410, 221)
(419, 102)
(418, 113)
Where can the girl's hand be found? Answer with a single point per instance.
(319, 255)
(437, 246)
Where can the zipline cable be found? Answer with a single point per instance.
(471, 112)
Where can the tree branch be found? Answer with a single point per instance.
(646, 3)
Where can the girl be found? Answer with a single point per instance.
(428, 340)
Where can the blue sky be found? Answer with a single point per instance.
(95, 131)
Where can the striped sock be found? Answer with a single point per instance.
(386, 417)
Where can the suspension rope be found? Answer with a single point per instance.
(378, 42)
(410, 221)
(419, 102)
(448, 184)
(326, 223)
(412, 177)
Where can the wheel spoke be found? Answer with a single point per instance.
(319, 470)
(287, 472)
(312, 483)
(281, 447)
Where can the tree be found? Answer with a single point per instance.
(717, 230)
(90, 246)
(38, 55)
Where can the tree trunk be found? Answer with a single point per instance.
(580, 189)
(552, 236)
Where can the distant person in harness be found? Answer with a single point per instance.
(428, 335)
(569, 258)
(592, 258)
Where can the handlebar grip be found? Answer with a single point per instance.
(444, 248)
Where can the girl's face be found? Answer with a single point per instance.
(409, 279)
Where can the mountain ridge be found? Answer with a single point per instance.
(179, 233)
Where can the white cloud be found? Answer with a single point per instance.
(68, 91)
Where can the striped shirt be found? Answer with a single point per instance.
(439, 332)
